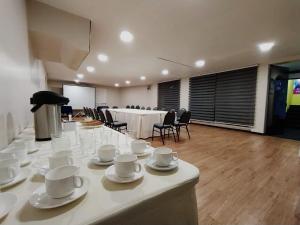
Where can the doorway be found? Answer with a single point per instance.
(283, 114)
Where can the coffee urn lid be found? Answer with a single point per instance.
(47, 97)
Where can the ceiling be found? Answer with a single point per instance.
(223, 33)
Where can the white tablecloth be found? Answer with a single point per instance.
(158, 198)
(140, 121)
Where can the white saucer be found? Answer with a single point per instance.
(151, 163)
(7, 202)
(98, 162)
(24, 173)
(40, 199)
(111, 175)
(30, 151)
(25, 162)
(147, 151)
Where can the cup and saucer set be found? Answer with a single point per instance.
(62, 186)
(141, 148)
(125, 169)
(104, 156)
(55, 160)
(163, 159)
(10, 171)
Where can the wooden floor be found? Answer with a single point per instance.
(245, 178)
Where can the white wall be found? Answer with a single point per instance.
(20, 74)
(261, 99)
(141, 95)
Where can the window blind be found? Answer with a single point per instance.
(169, 95)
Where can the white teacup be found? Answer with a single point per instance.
(126, 165)
(20, 153)
(106, 153)
(62, 181)
(139, 146)
(163, 156)
(62, 158)
(9, 169)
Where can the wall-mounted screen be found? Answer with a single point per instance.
(296, 89)
(80, 96)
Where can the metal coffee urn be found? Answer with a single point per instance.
(47, 114)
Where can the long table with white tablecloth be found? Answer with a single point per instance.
(140, 121)
(157, 198)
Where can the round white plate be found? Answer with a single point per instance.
(111, 175)
(30, 151)
(7, 202)
(40, 199)
(25, 162)
(151, 163)
(147, 151)
(98, 162)
(24, 173)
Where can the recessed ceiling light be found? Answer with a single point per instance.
(266, 46)
(102, 57)
(127, 82)
(143, 78)
(76, 81)
(117, 84)
(165, 72)
(80, 75)
(90, 69)
(200, 63)
(126, 36)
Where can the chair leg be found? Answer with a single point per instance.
(186, 127)
(177, 132)
(168, 132)
(152, 133)
(173, 134)
(161, 136)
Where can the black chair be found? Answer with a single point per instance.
(183, 121)
(102, 116)
(137, 107)
(91, 113)
(86, 113)
(119, 126)
(115, 107)
(66, 110)
(155, 108)
(132, 107)
(127, 106)
(96, 114)
(148, 108)
(143, 108)
(168, 124)
(179, 113)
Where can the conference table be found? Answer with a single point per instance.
(158, 198)
(138, 120)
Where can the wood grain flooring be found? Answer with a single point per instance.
(245, 178)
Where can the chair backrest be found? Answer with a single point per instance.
(92, 113)
(115, 107)
(185, 117)
(127, 106)
(148, 108)
(85, 111)
(143, 108)
(132, 107)
(102, 116)
(180, 112)
(155, 108)
(137, 107)
(109, 116)
(96, 114)
(66, 110)
(169, 118)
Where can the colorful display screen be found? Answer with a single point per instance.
(296, 89)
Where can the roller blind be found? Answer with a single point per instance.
(235, 96)
(202, 97)
(169, 95)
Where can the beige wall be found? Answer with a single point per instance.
(140, 95)
(20, 74)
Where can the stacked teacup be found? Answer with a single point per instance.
(140, 147)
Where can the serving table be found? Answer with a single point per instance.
(158, 198)
(138, 120)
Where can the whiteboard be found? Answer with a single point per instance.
(80, 96)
